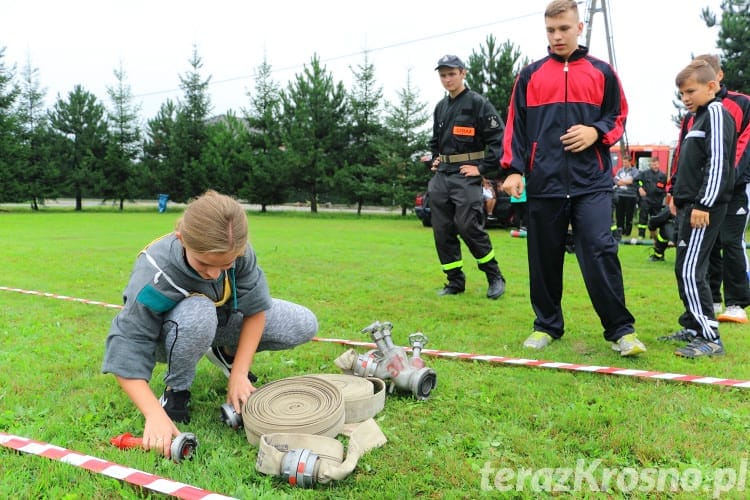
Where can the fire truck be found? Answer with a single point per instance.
(642, 155)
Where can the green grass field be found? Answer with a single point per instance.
(488, 431)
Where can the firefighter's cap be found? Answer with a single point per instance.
(450, 61)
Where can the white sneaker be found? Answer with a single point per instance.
(717, 307)
(538, 340)
(733, 314)
(629, 345)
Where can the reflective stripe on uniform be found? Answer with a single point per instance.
(487, 258)
(453, 265)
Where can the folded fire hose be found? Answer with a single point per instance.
(294, 422)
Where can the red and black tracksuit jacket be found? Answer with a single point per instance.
(551, 95)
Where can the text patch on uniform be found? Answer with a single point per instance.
(459, 130)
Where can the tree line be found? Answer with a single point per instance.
(310, 141)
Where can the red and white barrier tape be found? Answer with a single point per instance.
(113, 470)
(608, 370)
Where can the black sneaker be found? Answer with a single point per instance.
(224, 361)
(684, 335)
(176, 403)
(701, 347)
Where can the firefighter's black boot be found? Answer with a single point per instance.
(456, 282)
(495, 279)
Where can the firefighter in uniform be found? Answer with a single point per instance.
(652, 188)
(466, 144)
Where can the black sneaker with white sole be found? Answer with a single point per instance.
(224, 361)
(176, 403)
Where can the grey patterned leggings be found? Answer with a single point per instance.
(191, 328)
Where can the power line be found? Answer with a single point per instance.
(355, 54)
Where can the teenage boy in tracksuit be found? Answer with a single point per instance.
(566, 111)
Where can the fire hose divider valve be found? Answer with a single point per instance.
(390, 362)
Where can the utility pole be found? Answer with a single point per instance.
(592, 7)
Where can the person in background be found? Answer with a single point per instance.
(702, 187)
(626, 196)
(662, 226)
(466, 143)
(518, 204)
(198, 290)
(560, 145)
(652, 186)
(489, 197)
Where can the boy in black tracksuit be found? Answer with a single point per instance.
(701, 189)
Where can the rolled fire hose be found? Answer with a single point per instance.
(294, 422)
(363, 397)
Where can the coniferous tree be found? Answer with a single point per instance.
(314, 109)
(10, 148)
(360, 179)
(81, 127)
(492, 72)
(733, 39)
(158, 149)
(124, 148)
(190, 176)
(402, 146)
(270, 173)
(39, 176)
(226, 153)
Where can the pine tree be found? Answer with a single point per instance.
(10, 151)
(270, 174)
(361, 180)
(226, 153)
(492, 72)
(314, 111)
(39, 175)
(158, 149)
(402, 146)
(119, 176)
(733, 39)
(81, 127)
(190, 175)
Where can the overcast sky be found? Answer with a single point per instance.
(82, 41)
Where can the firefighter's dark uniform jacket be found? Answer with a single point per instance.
(466, 124)
(550, 96)
(655, 185)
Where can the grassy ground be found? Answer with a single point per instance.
(487, 431)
